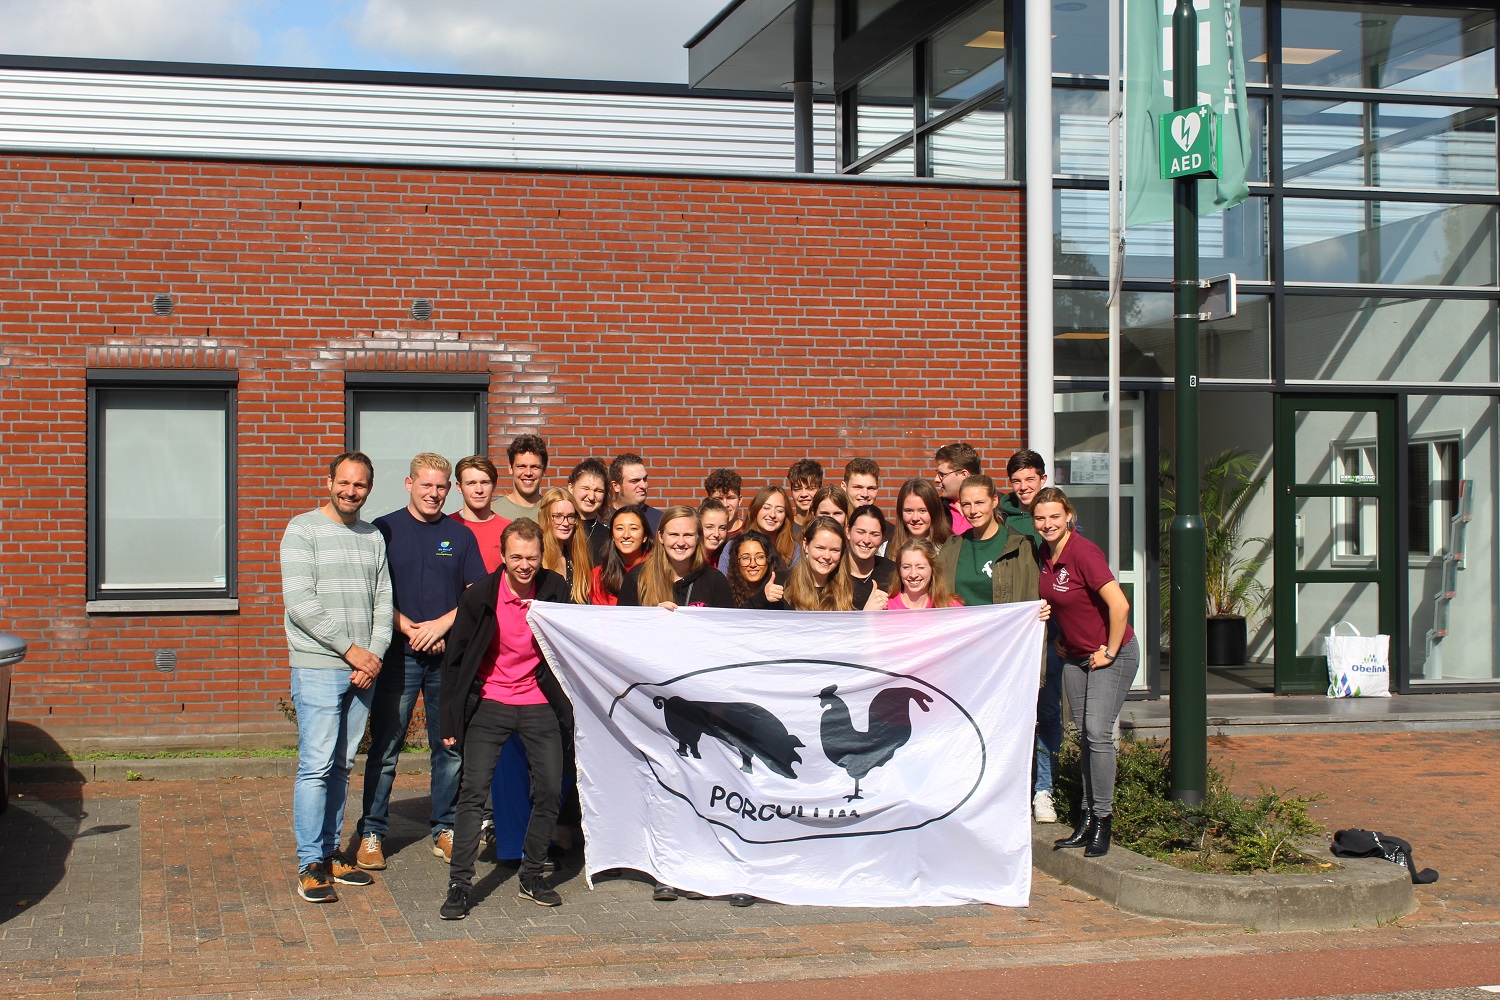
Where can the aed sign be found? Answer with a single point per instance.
(1190, 143)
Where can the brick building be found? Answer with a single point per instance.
(188, 339)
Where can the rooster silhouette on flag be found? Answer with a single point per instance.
(857, 752)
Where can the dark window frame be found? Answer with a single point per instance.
(211, 383)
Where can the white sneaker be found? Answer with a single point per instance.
(1041, 807)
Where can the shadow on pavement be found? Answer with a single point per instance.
(37, 834)
(36, 837)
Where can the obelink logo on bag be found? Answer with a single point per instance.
(798, 749)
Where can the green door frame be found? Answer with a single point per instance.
(1296, 674)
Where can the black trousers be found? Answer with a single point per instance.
(538, 729)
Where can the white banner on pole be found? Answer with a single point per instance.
(838, 758)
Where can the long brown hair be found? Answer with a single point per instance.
(836, 493)
(937, 509)
(802, 593)
(785, 538)
(576, 559)
(939, 593)
(655, 578)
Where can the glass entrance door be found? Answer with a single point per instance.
(1335, 520)
(1082, 470)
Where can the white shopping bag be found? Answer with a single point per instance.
(1359, 666)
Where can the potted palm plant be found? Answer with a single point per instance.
(1235, 595)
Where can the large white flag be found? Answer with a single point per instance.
(834, 758)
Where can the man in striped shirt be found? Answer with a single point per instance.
(339, 619)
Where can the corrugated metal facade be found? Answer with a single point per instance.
(163, 115)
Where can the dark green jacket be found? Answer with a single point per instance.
(1015, 572)
(1018, 518)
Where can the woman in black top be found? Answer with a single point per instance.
(753, 566)
(874, 575)
(676, 574)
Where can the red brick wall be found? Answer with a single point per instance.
(700, 322)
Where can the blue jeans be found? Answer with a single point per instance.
(331, 716)
(396, 693)
(1049, 718)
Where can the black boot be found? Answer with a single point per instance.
(1098, 845)
(1081, 833)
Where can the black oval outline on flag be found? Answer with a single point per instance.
(983, 747)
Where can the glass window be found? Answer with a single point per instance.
(966, 59)
(883, 106)
(1451, 520)
(1360, 339)
(161, 492)
(900, 163)
(1080, 37)
(392, 426)
(1238, 348)
(1386, 242)
(1233, 240)
(866, 11)
(1386, 47)
(973, 146)
(1357, 144)
(1080, 130)
(1432, 475)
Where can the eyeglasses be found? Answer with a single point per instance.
(752, 559)
(563, 518)
(940, 475)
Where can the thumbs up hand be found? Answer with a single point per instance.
(774, 590)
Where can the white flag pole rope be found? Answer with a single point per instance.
(838, 758)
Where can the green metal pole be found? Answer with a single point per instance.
(1189, 699)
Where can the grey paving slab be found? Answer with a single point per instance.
(70, 885)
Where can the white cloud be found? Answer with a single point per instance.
(182, 30)
(587, 39)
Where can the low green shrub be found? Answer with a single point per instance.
(1224, 833)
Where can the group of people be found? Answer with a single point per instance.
(379, 613)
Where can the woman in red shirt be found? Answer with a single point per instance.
(630, 543)
(1099, 652)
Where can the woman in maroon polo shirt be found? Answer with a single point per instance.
(1099, 652)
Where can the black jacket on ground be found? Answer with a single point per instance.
(468, 645)
(707, 587)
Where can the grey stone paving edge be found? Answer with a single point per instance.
(1366, 893)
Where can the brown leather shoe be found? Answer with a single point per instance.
(442, 846)
(370, 856)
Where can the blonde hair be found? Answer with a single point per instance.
(577, 556)
(802, 593)
(654, 583)
(939, 594)
(430, 460)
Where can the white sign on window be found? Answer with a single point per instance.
(1089, 468)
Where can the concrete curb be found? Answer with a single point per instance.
(72, 772)
(1368, 892)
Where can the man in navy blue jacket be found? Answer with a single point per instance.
(432, 559)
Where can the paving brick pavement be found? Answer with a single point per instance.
(208, 867)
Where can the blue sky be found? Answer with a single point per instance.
(589, 39)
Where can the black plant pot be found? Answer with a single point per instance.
(1226, 642)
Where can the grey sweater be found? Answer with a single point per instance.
(337, 590)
